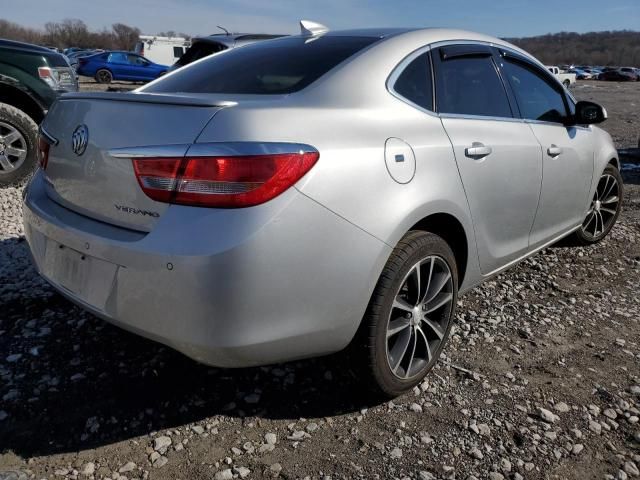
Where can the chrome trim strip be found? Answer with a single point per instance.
(247, 148)
(480, 117)
(50, 138)
(175, 150)
(212, 149)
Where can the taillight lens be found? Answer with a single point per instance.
(221, 181)
(50, 76)
(43, 151)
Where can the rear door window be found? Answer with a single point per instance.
(470, 85)
(278, 66)
(415, 84)
(118, 57)
(538, 98)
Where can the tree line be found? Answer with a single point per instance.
(615, 48)
(594, 48)
(73, 33)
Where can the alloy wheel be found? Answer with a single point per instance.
(419, 317)
(13, 148)
(604, 207)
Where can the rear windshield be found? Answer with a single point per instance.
(199, 50)
(56, 60)
(280, 66)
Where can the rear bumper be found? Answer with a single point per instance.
(284, 280)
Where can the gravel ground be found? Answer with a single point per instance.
(540, 379)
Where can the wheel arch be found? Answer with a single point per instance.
(99, 69)
(21, 100)
(453, 232)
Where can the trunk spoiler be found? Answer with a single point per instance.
(162, 98)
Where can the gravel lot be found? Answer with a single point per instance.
(541, 379)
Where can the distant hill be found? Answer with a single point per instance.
(620, 48)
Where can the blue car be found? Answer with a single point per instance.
(108, 66)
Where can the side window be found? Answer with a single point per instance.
(470, 85)
(414, 83)
(136, 60)
(118, 57)
(177, 52)
(537, 98)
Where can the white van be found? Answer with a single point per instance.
(162, 50)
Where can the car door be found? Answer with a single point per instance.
(118, 65)
(140, 68)
(498, 157)
(567, 151)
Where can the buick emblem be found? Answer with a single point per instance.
(79, 139)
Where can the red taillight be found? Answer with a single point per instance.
(224, 182)
(43, 151)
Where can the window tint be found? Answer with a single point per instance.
(136, 60)
(537, 98)
(471, 86)
(272, 67)
(199, 50)
(118, 57)
(414, 83)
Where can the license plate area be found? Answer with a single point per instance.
(85, 277)
(69, 268)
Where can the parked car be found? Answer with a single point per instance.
(294, 197)
(204, 46)
(118, 65)
(31, 78)
(566, 79)
(630, 71)
(617, 75)
(581, 74)
(161, 50)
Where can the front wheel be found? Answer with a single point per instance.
(410, 314)
(604, 209)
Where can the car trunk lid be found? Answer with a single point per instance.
(89, 171)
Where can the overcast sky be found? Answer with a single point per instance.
(505, 18)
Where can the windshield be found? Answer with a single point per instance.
(279, 66)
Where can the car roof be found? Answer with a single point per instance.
(26, 46)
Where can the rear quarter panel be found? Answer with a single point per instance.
(351, 177)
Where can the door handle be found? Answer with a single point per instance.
(477, 150)
(554, 151)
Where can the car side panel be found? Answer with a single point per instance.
(351, 178)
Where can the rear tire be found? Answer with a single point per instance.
(18, 141)
(409, 316)
(104, 76)
(567, 84)
(604, 209)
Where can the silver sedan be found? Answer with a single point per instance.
(302, 195)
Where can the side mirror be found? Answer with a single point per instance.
(588, 113)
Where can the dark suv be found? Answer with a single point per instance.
(204, 46)
(31, 78)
